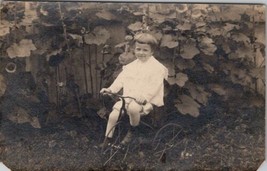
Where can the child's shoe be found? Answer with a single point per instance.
(107, 142)
(128, 138)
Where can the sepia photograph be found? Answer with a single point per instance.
(132, 86)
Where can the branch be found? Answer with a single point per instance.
(64, 28)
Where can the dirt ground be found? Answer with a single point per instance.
(217, 140)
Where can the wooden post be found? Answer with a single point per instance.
(57, 90)
(84, 67)
(90, 67)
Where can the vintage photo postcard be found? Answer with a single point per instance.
(132, 86)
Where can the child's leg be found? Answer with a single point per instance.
(112, 121)
(134, 119)
(135, 111)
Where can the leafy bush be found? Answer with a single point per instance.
(209, 49)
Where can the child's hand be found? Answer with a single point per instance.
(140, 100)
(105, 91)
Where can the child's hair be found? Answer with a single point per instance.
(146, 38)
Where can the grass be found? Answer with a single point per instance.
(223, 142)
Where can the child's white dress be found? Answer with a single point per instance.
(142, 79)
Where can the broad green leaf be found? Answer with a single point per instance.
(163, 8)
(208, 67)
(104, 14)
(245, 52)
(167, 41)
(189, 50)
(203, 7)
(170, 66)
(228, 27)
(184, 26)
(182, 38)
(232, 93)
(171, 80)
(215, 8)
(52, 53)
(206, 40)
(240, 76)
(206, 45)
(3, 85)
(144, 6)
(259, 58)
(4, 31)
(245, 17)
(19, 116)
(240, 37)
(238, 72)
(99, 36)
(257, 73)
(5, 27)
(256, 101)
(187, 105)
(226, 48)
(158, 18)
(209, 59)
(198, 93)
(218, 89)
(183, 64)
(138, 13)
(213, 18)
(202, 29)
(261, 87)
(167, 28)
(158, 35)
(201, 24)
(128, 38)
(135, 26)
(209, 50)
(260, 9)
(43, 11)
(249, 25)
(120, 45)
(215, 31)
(29, 15)
(162, 12)
(242, 52)
(180, 79)
(260, 34)
(43, 45)
(181, 8)
(245, 81)
(35, 122)
(196, 13)
(77, 37)
(232, 12)
(22, 49)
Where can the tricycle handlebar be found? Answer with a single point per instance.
(123, 97)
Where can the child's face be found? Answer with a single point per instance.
(143, 51)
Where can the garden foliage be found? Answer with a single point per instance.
(209, 49)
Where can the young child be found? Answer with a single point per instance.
(141, 79)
